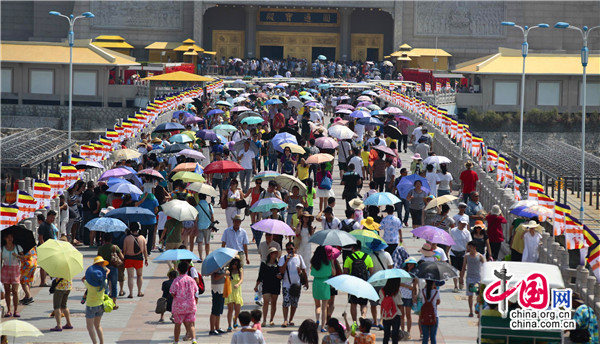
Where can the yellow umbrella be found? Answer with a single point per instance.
(19, 328)
(439, 201)
(126, 154)
(60, 259)
(303, 93)
(294, 148)
(191, 134)
(188, 177)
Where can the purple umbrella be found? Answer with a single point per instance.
(190, 120)
(360, 114)
(326, 142)
(207, 134)
(310, 104)
(273, 227)
(392, 110)
(434, 235)
(344, 111)
(344, 106)
(363, 104)
(115, 172)
(404, 118)
(214, 112)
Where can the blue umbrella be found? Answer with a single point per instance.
(106, 224)
(125, 188)
(169, 126)
(214, 112)
(279, 86)
(113, 180)
(380, 278)
(131, 214)
(522, 211)
(180, 138)
(206, 134)
(282, 138)
(353, 286)
(382, 198)
(369, 121)
(360, 114)
(326, 86)
(312, 90)
(171, 255)
(266, 204)
(379, 113)
(273, 102)
(181, 112)
(217, 259)
(407, 183)
(252, 120)
(322, 57)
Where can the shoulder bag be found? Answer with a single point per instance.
(114, 257)
(295, 288)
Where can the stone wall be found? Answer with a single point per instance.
(510, 140)
(52, 116)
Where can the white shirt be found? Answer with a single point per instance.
(386, 260)
(316, 116)
(459, 217)
(417, 133)
(445, 180)
(251, 337)
(461, 238)
(434, 300)
(334, 224)
(358, 165)
(292, 269)
(432, 180)
(246, 158)
(344, 151)
(359, 129)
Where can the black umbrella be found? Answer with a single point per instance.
(392, 132)
(169, 126)
(435, 271)
(269, 135)
(22, 237)
(175, 148)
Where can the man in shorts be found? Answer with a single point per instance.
(205, 219)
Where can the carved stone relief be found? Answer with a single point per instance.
(459, 18)
(147, 15)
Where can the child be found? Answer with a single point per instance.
(532, 240)
(364, 155)
(364, 335)
(372, 189)
(255, 316)
(331, 202)
(234, 301)
(217, 280)
(166, 286)
(472, 265)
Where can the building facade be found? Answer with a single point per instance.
(339, 30)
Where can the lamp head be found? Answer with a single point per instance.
(561, 25)
(543, 26)
(54, 13)
(88, 15)
(507, 23)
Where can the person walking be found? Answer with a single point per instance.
(468, 181)
(391, 314)
(270, 278)
(184, 290)
(358, 264)
(136, 256)
(28, 267)
(230, 198)
(107, 251)
(95, 284)
(392, 229)
(206, 217)
(382, 260)
(304, 231)
(324, 186)
(247, 159)
(234, 300)
(148, 201)
(321, 270)
(472, 266)
(291, 266)
(236, 238)
(247, 334)
(495, 220)
(416, 197)
(409, 292)
(461, 236)
(429, 318)
(10, 274)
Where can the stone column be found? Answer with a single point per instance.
(250, 30)
(199, 9)
(345, 49)
(397, 18)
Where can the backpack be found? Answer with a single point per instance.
(201, 287)
(348, 227)
(359, 267)
(428, 312)
(288, 166)
(388, 307)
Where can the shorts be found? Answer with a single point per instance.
(203, 236)
(357, 300)
(11, 274)
(375, 303)
(121, 276)
(132, 263)
(186, 317)
(470, 282)
(333, 291)
(93, 312)
(417, 217)
(343, 166)
(172, 245)
(457, 262)
(289, 300)
(407, 302)
(218, 302)
(60, 298)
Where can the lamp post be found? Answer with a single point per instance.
(71, 18)
(524, 51)
(585, 32)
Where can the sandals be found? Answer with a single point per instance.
(115, 307)
(130, 296)
(140, 294)
(285, 324)
(291, 324)
(68, 327)
(8, 315)
(56, 329)
(121, 293)
(271, 323)
(17, 315)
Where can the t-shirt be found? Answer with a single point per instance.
(246, 158)
(106, 251)
(434, 299)
(45, 229)
(386, 260)
(397, 301)
(364, 338)
(235, 239)
(390, 225)
(263, 248)
(469, 179)
(350, 180)
(418, 199)
(357, 255)
(344, 151)
(149, 203)
(417, 133)
(365, 158)
(445, 180)
(302, 171)
(173, 228)
(216, 285)
(473, 209)
(461, 238)
(432, 180)
(334, 224)
(357, 162)
(291, 270)
(390, 173)
(204, 212)
(495, 227)
(95, 295)
(457, 218)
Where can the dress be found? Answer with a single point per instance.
(28, 266)
(236, 293)
(321, 290)
(304, 249)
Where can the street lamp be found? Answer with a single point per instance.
(524, 51)
(71, 18)
(585, 32)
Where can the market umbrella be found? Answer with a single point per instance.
(381, 198)
(252, 120)
(384, 149)
(174, 255)
(202, 188)
(341, 133)
(370, 121)
(193, 154)
(266, 204)
(19, 328)
(125, 154)
(180, 138)
(333, 237)
(326, 142)
(266, 175)
(106, 225)
(380, 278)
(175, 148)
(187, 166)
(148, 172)
(21, 236)
(434, 235)
(180, 210)
(223, 166)
(439, 201)
(224, 129)
(188, 177)
(435, 271)
(217, 259)
(273, 227)
(206, 134)
(125, 188)
(392, 132)
(392, 110)
(436, 160)
(407, 183)
(168, 126)
(288, 182)
(85, 164)
(319, 158)
(353, 286)
(214, 112)
(360, 114)
(131, 214)
(60, 259)
(294, 148)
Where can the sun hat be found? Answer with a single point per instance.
(466, 222)
(462, 204)
(95, 275)
(237, 217)
(369, 223)
(307, 214)
(531, 224)
(377, 245)
(356, 203)
(271, 250)
(479, 224)
(99, 259)
(426, 250)
(332, 252)
(469, 164)
(495, 210)
(410, 260)
(156, 140)
(300, 205)
(417, 156)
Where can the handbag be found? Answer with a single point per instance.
(114, 257)
(326, 183)
(161, 305)
(295, 288)
(241, 204)
(227, 287)
(580, 334)
(108, 303)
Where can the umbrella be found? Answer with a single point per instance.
(407, 183)
(295, 103)
(340, 122)
(524, 203)
(326, 143)
(252, 120)
(190, 153)
(405, 119)
(322, 57)
(203, 188)
(294, 148)
(333, 237)
(192, 120)
(288, 182)
(106, 224)
(112, 181)
(176, 114)
(180, 210)
(151, 173)
(240, 109)
(188, 177)
(374, 108)
(380, 278)
(206, 134)
(239, 146)
(178, 254)
(281, 138)
(353, 286)
(180, 138)
(520, 211)
(21, 236)
(223, 166)
(246, 114)
(369, 93)
(392, 110)
(131, 214)
(540, 210)
(169, 126)
(239, 84)
(345, 106)
(175, 148)
(435, 271)
(341, 133)
(366, 236)
(360, 114)
(224, 103)
(214, 112)
(217, 259)
(439, 201)
(19, 328)
(88, 164)
(125, 188)
(382, 198)
(385, 150)
(363, 104)
(60, 259)
(224, 129)
(187, 166)
(126, 154)
(266, 204)
(436, 160)
(273, 227)
(388, 63)
(378, 112)
(273, 102)
(370, 121)
(266, 175)
(292, 132)
(434, 235)
(319, 158)
(344, 111)
(392, 132)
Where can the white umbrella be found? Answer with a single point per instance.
(436, 160)
(180, 210)
(524, 203)
(340, 132)
(439, 201)
(190, 153)
(203, 188)
(288, 182)
(19, 328)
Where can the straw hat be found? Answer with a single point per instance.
(469, 164)
(495, 210)
(99, 259)
(479, 224)
(307, 214)
(357, 203)
(369, 223)
(531, 224)
(156, 140)
(426, 250)
(271, 250)
(237, 217)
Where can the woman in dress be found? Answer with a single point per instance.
(304, 231)
(234, 194)
(320, 269)
(416, 197)
(322, 193)
(11, 264)
(234, 301)
(269, 276)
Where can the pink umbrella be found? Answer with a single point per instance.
(240, 108)
(344, 111)
(273, 227)
(392, 110)
(150, 172)
(190, 153)
(344, 106)
(364, 104)
(326, 142)
(364, 98)
(385, 150)
(340, 122)
(404, 118)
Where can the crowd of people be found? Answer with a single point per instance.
(369, 164)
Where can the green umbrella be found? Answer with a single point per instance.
(252, 120)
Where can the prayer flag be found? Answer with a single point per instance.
(590, 237)
(26, 204)
(559, 221)
(56, 181)
(8, 215)
(573, 233)
(42, 192)
(594, 260)
(70, 173)
(76, 158)
(492, 159)
(534, 187)
(545, 200)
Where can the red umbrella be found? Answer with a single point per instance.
(385, 149)
(404, 118)
(223, 166)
